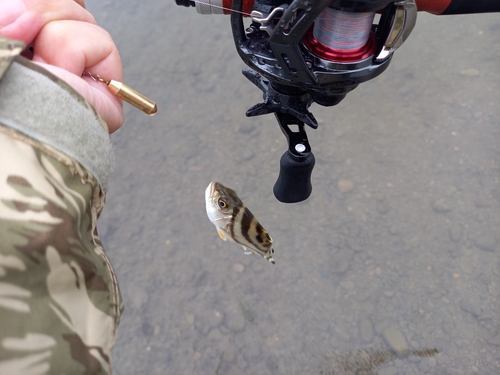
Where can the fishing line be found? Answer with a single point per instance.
(343, 30)
(208, 4)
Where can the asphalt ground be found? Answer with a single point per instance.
(397, 247)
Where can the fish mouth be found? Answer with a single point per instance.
(213, 185)
(209, 193)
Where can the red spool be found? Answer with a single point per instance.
(340, 55)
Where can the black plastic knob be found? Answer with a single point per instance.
(294, 181)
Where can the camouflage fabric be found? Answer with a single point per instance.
(59, 299)
(9, 50)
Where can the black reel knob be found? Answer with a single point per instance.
(294, 181)
(296, 164)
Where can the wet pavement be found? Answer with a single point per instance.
(396, 250)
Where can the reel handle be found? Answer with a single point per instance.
(294, 181)
(296, 164)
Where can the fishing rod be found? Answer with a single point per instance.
(316, 51)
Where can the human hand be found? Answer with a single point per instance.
(67, 41)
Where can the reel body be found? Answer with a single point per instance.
(310, 51)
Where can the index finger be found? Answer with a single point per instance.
(35, 14)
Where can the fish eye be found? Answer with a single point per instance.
(221, 203)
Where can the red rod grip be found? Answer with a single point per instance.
(432, 6)
(246, 6)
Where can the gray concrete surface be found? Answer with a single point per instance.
(399, 244)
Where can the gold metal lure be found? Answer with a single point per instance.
(128, 94)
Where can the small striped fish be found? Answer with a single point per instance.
(235, 222)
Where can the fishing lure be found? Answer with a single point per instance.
(235, 222)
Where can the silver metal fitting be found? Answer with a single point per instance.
(405, 18)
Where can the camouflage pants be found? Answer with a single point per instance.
(59, 299)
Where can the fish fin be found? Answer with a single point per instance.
(221, 235)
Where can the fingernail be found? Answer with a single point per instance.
(10, 10)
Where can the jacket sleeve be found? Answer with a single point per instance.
(59, 299)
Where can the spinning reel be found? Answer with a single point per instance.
(310, 51)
